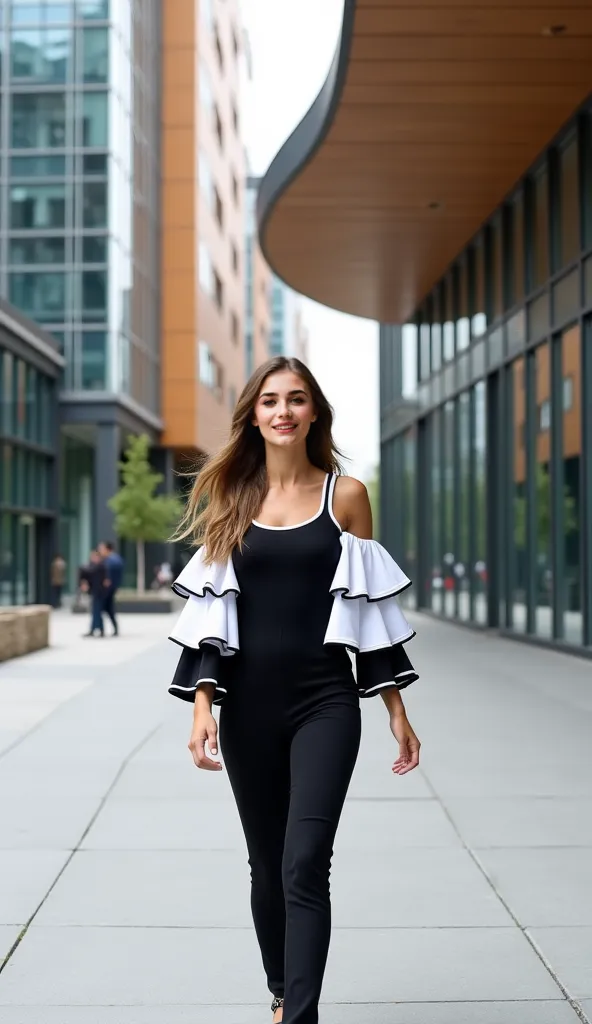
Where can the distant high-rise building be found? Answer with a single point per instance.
(122, 180)
(258, 282)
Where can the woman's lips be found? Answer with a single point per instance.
(285, 428)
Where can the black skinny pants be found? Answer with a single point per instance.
(290, 784)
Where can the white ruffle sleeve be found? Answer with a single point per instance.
(207, 628)
(366, 616)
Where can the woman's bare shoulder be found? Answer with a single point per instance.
(351, 506)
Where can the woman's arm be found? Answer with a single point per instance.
(353, 511)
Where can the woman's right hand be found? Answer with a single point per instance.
(205, 730)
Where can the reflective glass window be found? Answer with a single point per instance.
(41, 295)
(37, 250)
(93, 10)
(518, 265)
(94, 249)
(544, 576)
(436, 489)
(449, 554)
(95, 55)
(38, 206)
(568, 202)
(93, 362)
(480, 568)
(94, 204)
(94, 120)
(38, 121)
(34, 56)
(540, 246)
(479, 318)
(518, 562)
(409, 553)
(37, 166)
(447, 299)
(572, 485)
(463, 323)
(496, 282)
(436, 318)
(94, 294)
(94, 163)
(462, 556)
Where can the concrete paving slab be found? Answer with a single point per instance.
(535, 821)
(165, 825)
(398, 824)
(27, 776)
(383, 965)
(543, 886)
(361, 1013)
(155, 966)
(7, 738)
(569, 951)
(44, 821)
(8, 936)
(25, 878)
(152, 889)
(133, 966)
(431, 888)
(172, 779)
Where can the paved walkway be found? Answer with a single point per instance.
(462, 895)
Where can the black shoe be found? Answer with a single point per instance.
(277, 1004)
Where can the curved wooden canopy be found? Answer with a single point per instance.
(431, 112)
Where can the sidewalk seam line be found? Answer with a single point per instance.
(523, 929)
(76, 848)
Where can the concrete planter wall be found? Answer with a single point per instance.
(23, 630)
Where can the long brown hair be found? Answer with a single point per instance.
(230, 488)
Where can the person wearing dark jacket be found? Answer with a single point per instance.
(113, 579)
(94, 584)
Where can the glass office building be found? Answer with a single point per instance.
(79, 223)
(486, 415)
(29, 373)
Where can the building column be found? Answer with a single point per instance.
(107, 456)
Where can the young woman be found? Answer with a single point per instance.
(287, 582)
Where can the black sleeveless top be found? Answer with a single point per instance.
(285, 574)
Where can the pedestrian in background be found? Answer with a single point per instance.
(113, 563)
(287, 580)
(57, 580)
(94, 584)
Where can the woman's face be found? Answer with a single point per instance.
(284, 410)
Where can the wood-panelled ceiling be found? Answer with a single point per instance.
(442, 103)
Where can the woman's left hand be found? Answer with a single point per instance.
(409, 744)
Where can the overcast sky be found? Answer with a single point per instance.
(292, 44)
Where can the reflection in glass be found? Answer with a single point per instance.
(436, 318)
(37, 166)
(449, 555)
(97, 10)
(479, 567)
(94, 360)
(94, 204)
(568, 204)
(95, 55)
(448, 328)
(462, 569)
(543, 568)
(479, 318)
(572, 448)
(496, 281)
(410, 513)
(94, 120)
(424, 352)
(38, 121)
(518, 561)
(38, 206)
(42, 296)
(37, 250)
(540, 247)
(518, 262)
(463, 323)
(437, 582)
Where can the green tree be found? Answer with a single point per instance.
(543, 511)
(140, 514)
